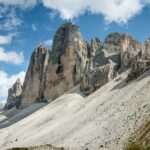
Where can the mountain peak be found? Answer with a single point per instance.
(14, 95)
(74, 61)
(68, 24)
(54, 73)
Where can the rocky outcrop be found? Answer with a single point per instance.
(147, 49)
(138, 68)
(96, 78)
(52, 73)
(74, 61)
(35, 77)
(131, 51)
(113, 39)
(67, 61)
(14, 95)
(141, 62)
(105, 63)
(117, 54)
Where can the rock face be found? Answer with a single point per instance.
(147, 49)
(104, 65)
(117, 54)
(102, 69)
(131, 51)
(141, 62)
(67, 61)
(14, 95)
(35, 77)
(74, 61)
(52, 73)
(138, 68)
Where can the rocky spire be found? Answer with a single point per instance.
(117, 54)
(74, 61)
(52, 73)
(14, 94)
(113, 38)
(35, 77)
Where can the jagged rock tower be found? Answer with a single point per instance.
(14, 94)
(52, 73)
(74, 61)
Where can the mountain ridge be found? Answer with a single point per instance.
(74, 61)
(97, 94)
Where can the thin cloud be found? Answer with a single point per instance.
(5, 39)
(34, 28)
(119, 11)
(48, 42)
(24, 4)
(8, 12)
(11, 57)
(53, 14)
(10, 19)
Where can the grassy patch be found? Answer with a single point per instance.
(41, 147)
(140, 140)
(137, 147)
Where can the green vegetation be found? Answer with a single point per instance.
(137, 147)
(141, 138)
(20, 148)
(41, 147)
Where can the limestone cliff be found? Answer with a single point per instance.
(52, 73)
(67, 61)
(14, 95)
(117, 54)
(105, 61)
(74, 61)
(141, 63)
(35, 77)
